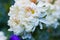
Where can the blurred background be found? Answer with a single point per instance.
(4, 9)
(45, 34)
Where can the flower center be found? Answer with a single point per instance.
(29, 9)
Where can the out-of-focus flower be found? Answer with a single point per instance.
(51, 12)
(57, 2)
(15, 37)
(2, 36)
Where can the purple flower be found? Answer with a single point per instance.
(15, 37)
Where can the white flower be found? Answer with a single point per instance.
(2, 36)
(50, 11)
(23, 17)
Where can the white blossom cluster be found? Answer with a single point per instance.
(2, 36)
(26, 15)
(52, 12)
(23, 16)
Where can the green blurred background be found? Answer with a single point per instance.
(45, 34)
